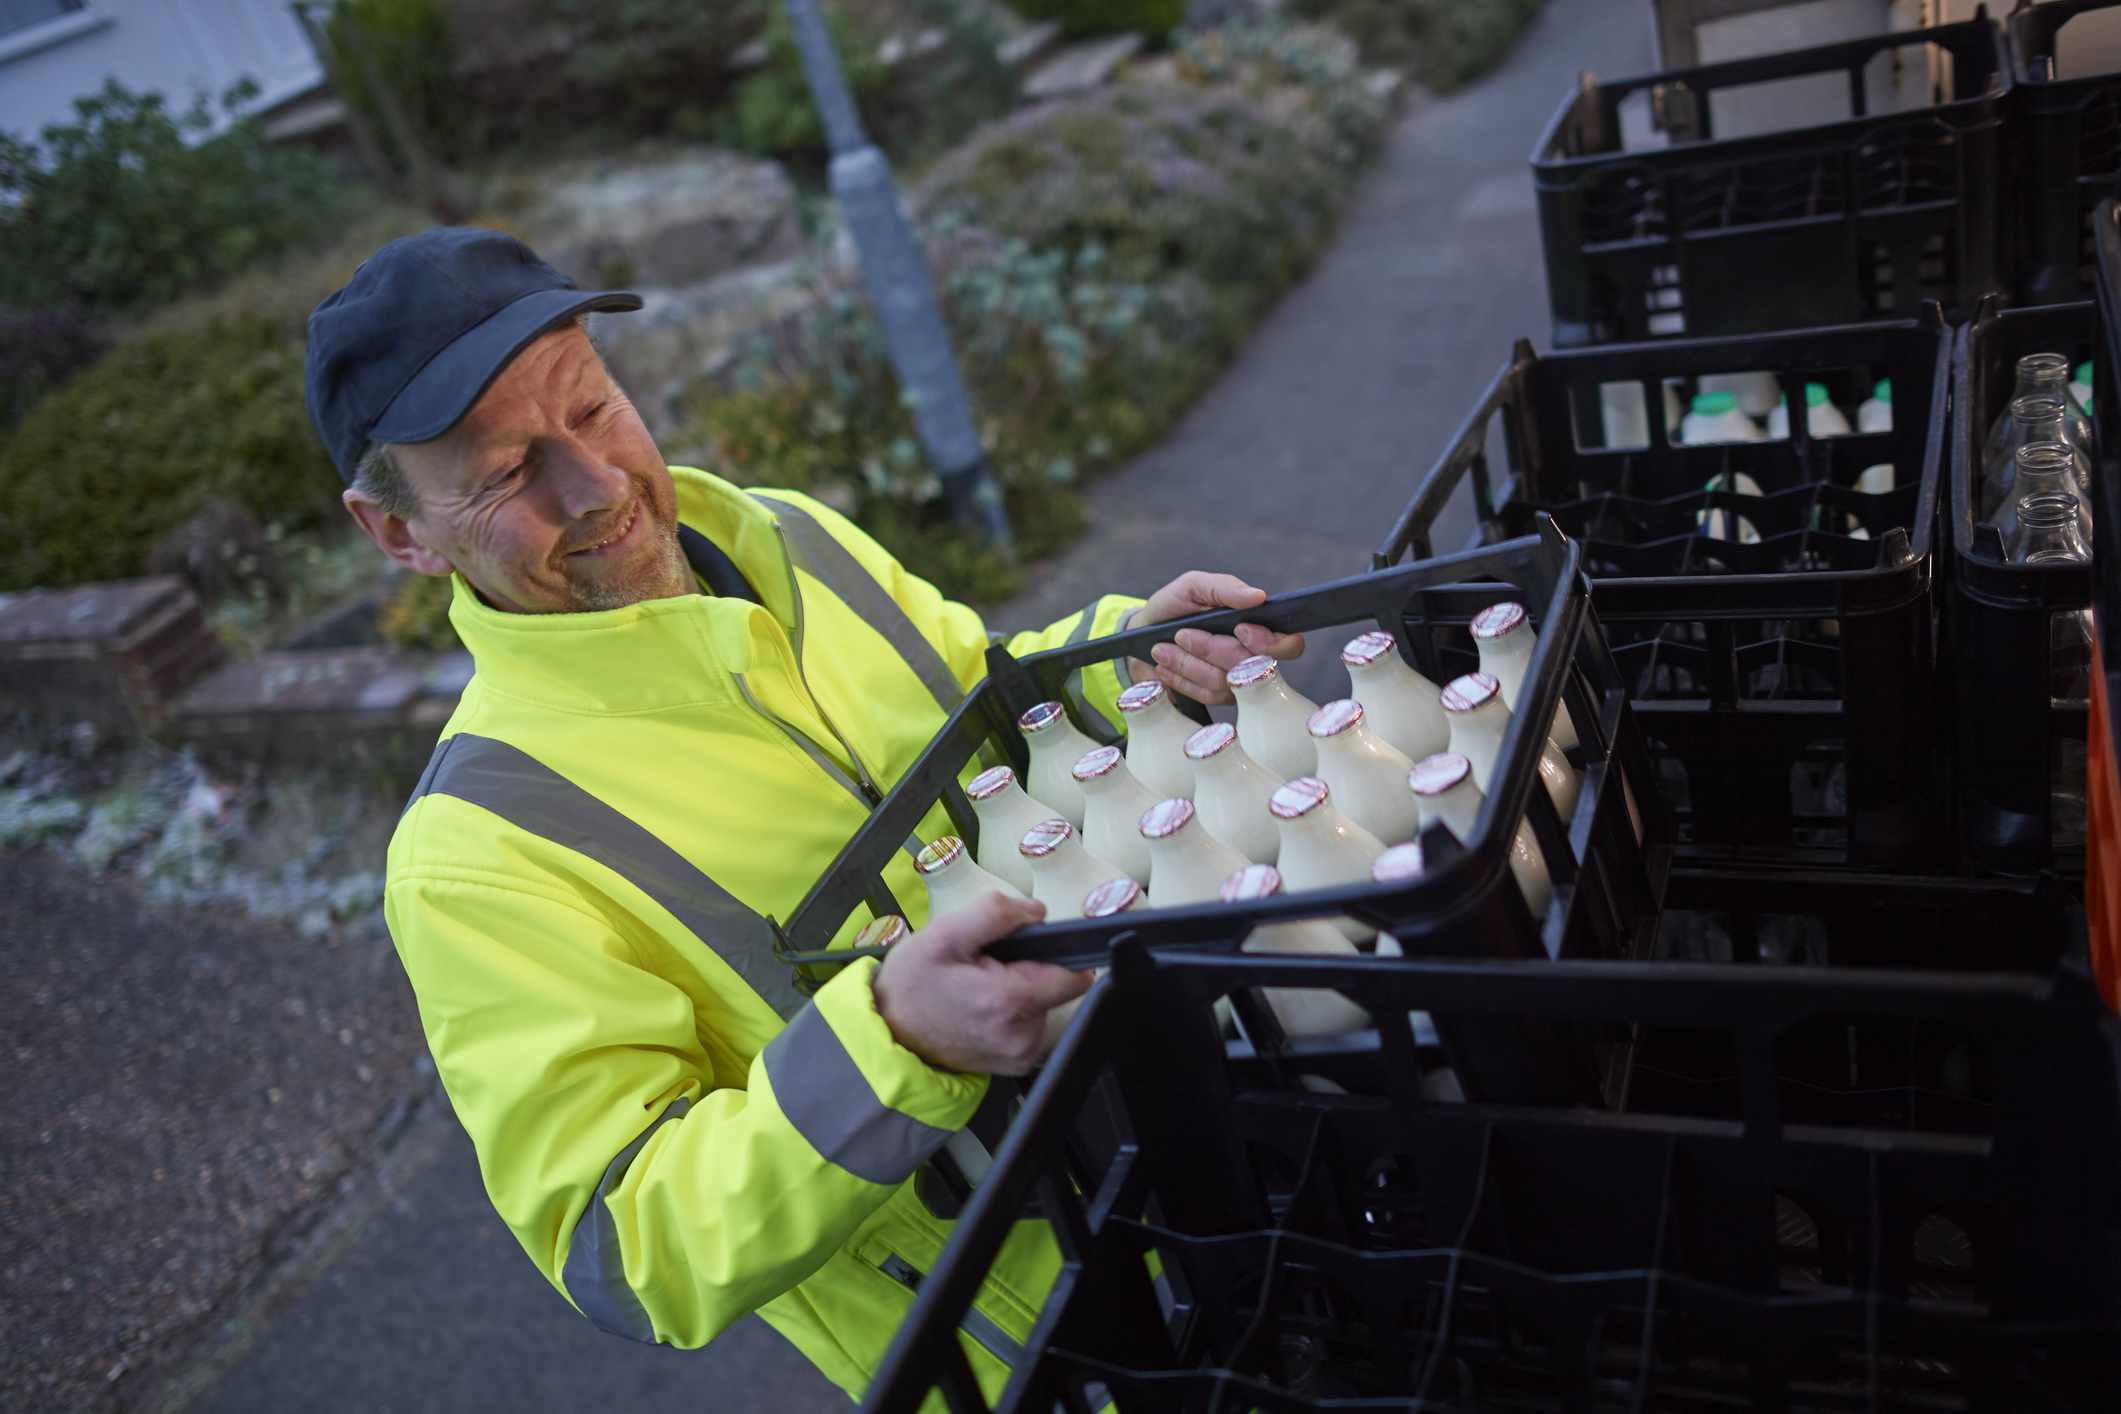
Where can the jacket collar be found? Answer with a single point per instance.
(652, 656)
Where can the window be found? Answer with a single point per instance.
(27, 14)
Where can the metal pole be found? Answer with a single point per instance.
(896, 271)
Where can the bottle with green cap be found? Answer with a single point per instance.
(1715, 417)
(2080, 387)
(1876, 413)
(1820, 415)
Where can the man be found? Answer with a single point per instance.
(687, 698)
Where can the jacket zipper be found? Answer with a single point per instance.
(795, 592)
(982, 1328)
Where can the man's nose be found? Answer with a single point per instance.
(588, 484)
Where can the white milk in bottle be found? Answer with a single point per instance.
(1479, 717)
(1320, 847)
(1114, 896)
(1399, 704)
(1231, 791)
(1397, 865)
(1186, 863)
(1271, 716)
(1876, 412)
(1444, 792)
(1055, 747)
(1715, 418)
(1363, 772)
(1062, 871)
(1302, 1011)
(1754, 393)
(1503, 634)
(954, 878)
(1156, 740)
(1113, 802)
(1004, 814)
(1821, 417)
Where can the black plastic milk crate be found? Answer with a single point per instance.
(1254, 1241)
(1857, 219)
(1606, 864)
(2065, 148)
(2021, 713)
(1787, 685)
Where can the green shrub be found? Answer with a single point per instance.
(416, 615)
(117, 209)
(102, 468)
(653, 63)
(1449, 43)
(1155, 18)
(406, 44)
(39, 350)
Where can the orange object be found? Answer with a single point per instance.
(2102, 851)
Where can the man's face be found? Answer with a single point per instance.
(549, 496)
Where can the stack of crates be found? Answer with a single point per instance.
(1802, 1095)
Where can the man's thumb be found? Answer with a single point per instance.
(992, 916)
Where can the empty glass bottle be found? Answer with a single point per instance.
(2028, 421)
(2044, 375)
(2044, 470)
(2050, 531)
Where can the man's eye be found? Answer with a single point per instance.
(507, 477)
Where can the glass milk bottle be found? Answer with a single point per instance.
(1479, 717)
(1156, 740)
(1302, 1011)
(1504, 636)
(1444, 793)
(1062, 872)
(1756, 393)
(1004, 814)
(1231, 791)
(1113, 802)
(1821, 417)
(2044, 472)
(1398, 703)
(1055, 747)
(1186, 863)
(1396, 865)
(1114, 896)
(1270, 718)
(2039, 375)
(1364, 774)
(1320, 847)
(882, 932)
(2030, 422)
(1876, 412)
(1714, 417)
(954, 879)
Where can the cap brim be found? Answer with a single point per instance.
(441, 393)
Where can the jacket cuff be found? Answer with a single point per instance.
(901, 1080)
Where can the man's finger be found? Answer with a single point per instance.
(1044, 986)
(1206, 590)
(1257, 639)
(1195, 677)
(1220, 649)
(993, 916)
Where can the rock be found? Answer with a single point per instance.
(1029, 45)
(674, 221)
(681, 335)
(221, 552)
(1080, 66)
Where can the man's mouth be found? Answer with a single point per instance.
(617, 537)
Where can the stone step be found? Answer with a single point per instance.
(114, 654)
(1086, 64)
(319, 706)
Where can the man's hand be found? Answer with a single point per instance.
(1196, 663)
(956, 1008)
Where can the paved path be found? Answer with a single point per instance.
(1287, 472)
(1290, 470)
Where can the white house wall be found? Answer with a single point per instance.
(174, 47)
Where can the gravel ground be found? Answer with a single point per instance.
(187, 1087)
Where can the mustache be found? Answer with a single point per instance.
(611, 525)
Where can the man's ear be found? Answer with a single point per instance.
(393, 535)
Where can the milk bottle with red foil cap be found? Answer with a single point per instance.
(1271, 716)
(1479, 717)
(1504, 636)
(1367, 776)
(1302, 1011)
(1156, 740)
(1231, 791)
(1062, 872)
(1397, 865)
(1398, 703)
(1444, 793)
(1055, 747)
(1321, 847)
(1004, 814)
(954, 878)
(1186, 863)
(1113, 802)
(1111, 897)
(882, 932)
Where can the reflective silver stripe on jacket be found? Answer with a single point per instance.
(836, 568)
(595, 1271)
(831, 1103)
(532, 796)
(1093, 721)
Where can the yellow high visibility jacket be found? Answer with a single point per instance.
(577, 893)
